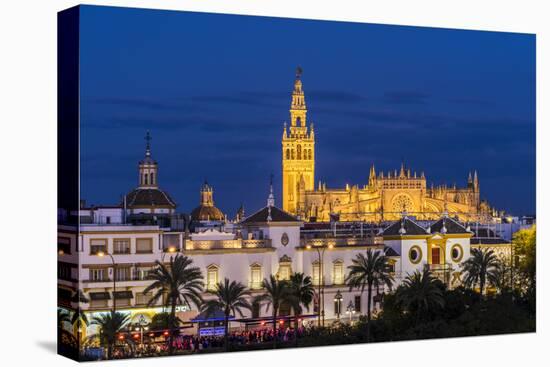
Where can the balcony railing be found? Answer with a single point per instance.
(341, 242)
(191, 245)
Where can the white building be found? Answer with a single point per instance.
(145, 229)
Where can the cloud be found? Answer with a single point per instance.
(335, 96)
(405, 97)
(144, 103)
(470, 101)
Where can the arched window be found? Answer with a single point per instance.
(287, 153)
(315, 272)
(256, 276)
(292, 154)
(211, 277)
(299, 152)
(152, 178)
(338, 272)
(146, 179)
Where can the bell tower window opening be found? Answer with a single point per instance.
(299, 152)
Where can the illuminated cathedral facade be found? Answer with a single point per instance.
(385, 197)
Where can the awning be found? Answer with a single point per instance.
(123, 295)
(213, 316)
(100, 296)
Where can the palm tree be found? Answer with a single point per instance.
(420, 292)
(79, 318)
(300, 294)
(110, 324)
(481, 267)
(180, 282)
(372, 270)
(231, 298)
(276, 292)
(62, 317)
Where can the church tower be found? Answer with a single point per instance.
(148, 168)
(298, 150)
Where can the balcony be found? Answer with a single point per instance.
(341, 242)
(441, 271)
(191, 245)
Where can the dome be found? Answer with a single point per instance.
(149, 197)
(207, 213)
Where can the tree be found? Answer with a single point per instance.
(372, 270)
(481, 267)
(420, 293)
(300, 294)
(276, 292)
(78, 320)
(181, 283)
(110, 324)
(231, 298)
(62, 317)
(525, 246)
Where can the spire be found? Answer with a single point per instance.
(147, 176)
(271, 197)
(148, 144)
(476, 181)
(240, 213)
(402, 170)
(298, 104)
(469, 177)
(372, 175)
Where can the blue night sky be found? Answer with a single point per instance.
(214, 90)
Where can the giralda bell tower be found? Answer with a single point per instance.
(298, 150)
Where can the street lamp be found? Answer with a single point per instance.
(102, 254)
(338, 298)
(170, 249)
(141, 328)
(350, 310)
(321, 292)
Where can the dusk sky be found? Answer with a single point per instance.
(214, 91)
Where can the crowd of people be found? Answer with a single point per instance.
(198, 343)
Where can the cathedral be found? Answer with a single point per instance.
(385, 197)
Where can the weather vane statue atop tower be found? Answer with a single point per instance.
(299, 72)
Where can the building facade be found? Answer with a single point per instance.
(105, 260)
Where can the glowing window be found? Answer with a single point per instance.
(255, 276)
(211, 277)
(315, 272)
(338, 272)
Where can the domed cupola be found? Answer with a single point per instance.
(206, 211)
(148, 197)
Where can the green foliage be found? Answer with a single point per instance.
(63, 316)
(178, 283)
(300, 292)
(462, 313)
(110, 324)
(420, 294)
(481, 268)
(231, 298)
(525, 248)
(369, 271)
